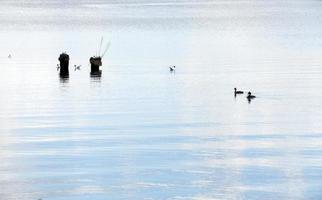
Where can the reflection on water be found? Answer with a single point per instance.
(95, 78)
(63, 80)
(142, 132)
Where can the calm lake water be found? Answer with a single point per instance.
(141, 132)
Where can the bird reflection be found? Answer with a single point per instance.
(249, 100)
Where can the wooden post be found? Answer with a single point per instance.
(96, 62)
(64, 63)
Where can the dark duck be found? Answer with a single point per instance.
(238, 91)
(250, 96)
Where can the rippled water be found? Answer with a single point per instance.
(141, 132)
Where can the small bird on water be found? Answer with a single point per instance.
(250, 96)
(172, 68)
(77, 67)
(237, 91)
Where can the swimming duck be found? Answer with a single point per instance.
(238, 92)
(250, 96)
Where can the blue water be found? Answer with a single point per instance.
(141, 132)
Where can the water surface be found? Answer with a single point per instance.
(141, 132)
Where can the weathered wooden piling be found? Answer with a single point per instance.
(96, 62)
(64, 63)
